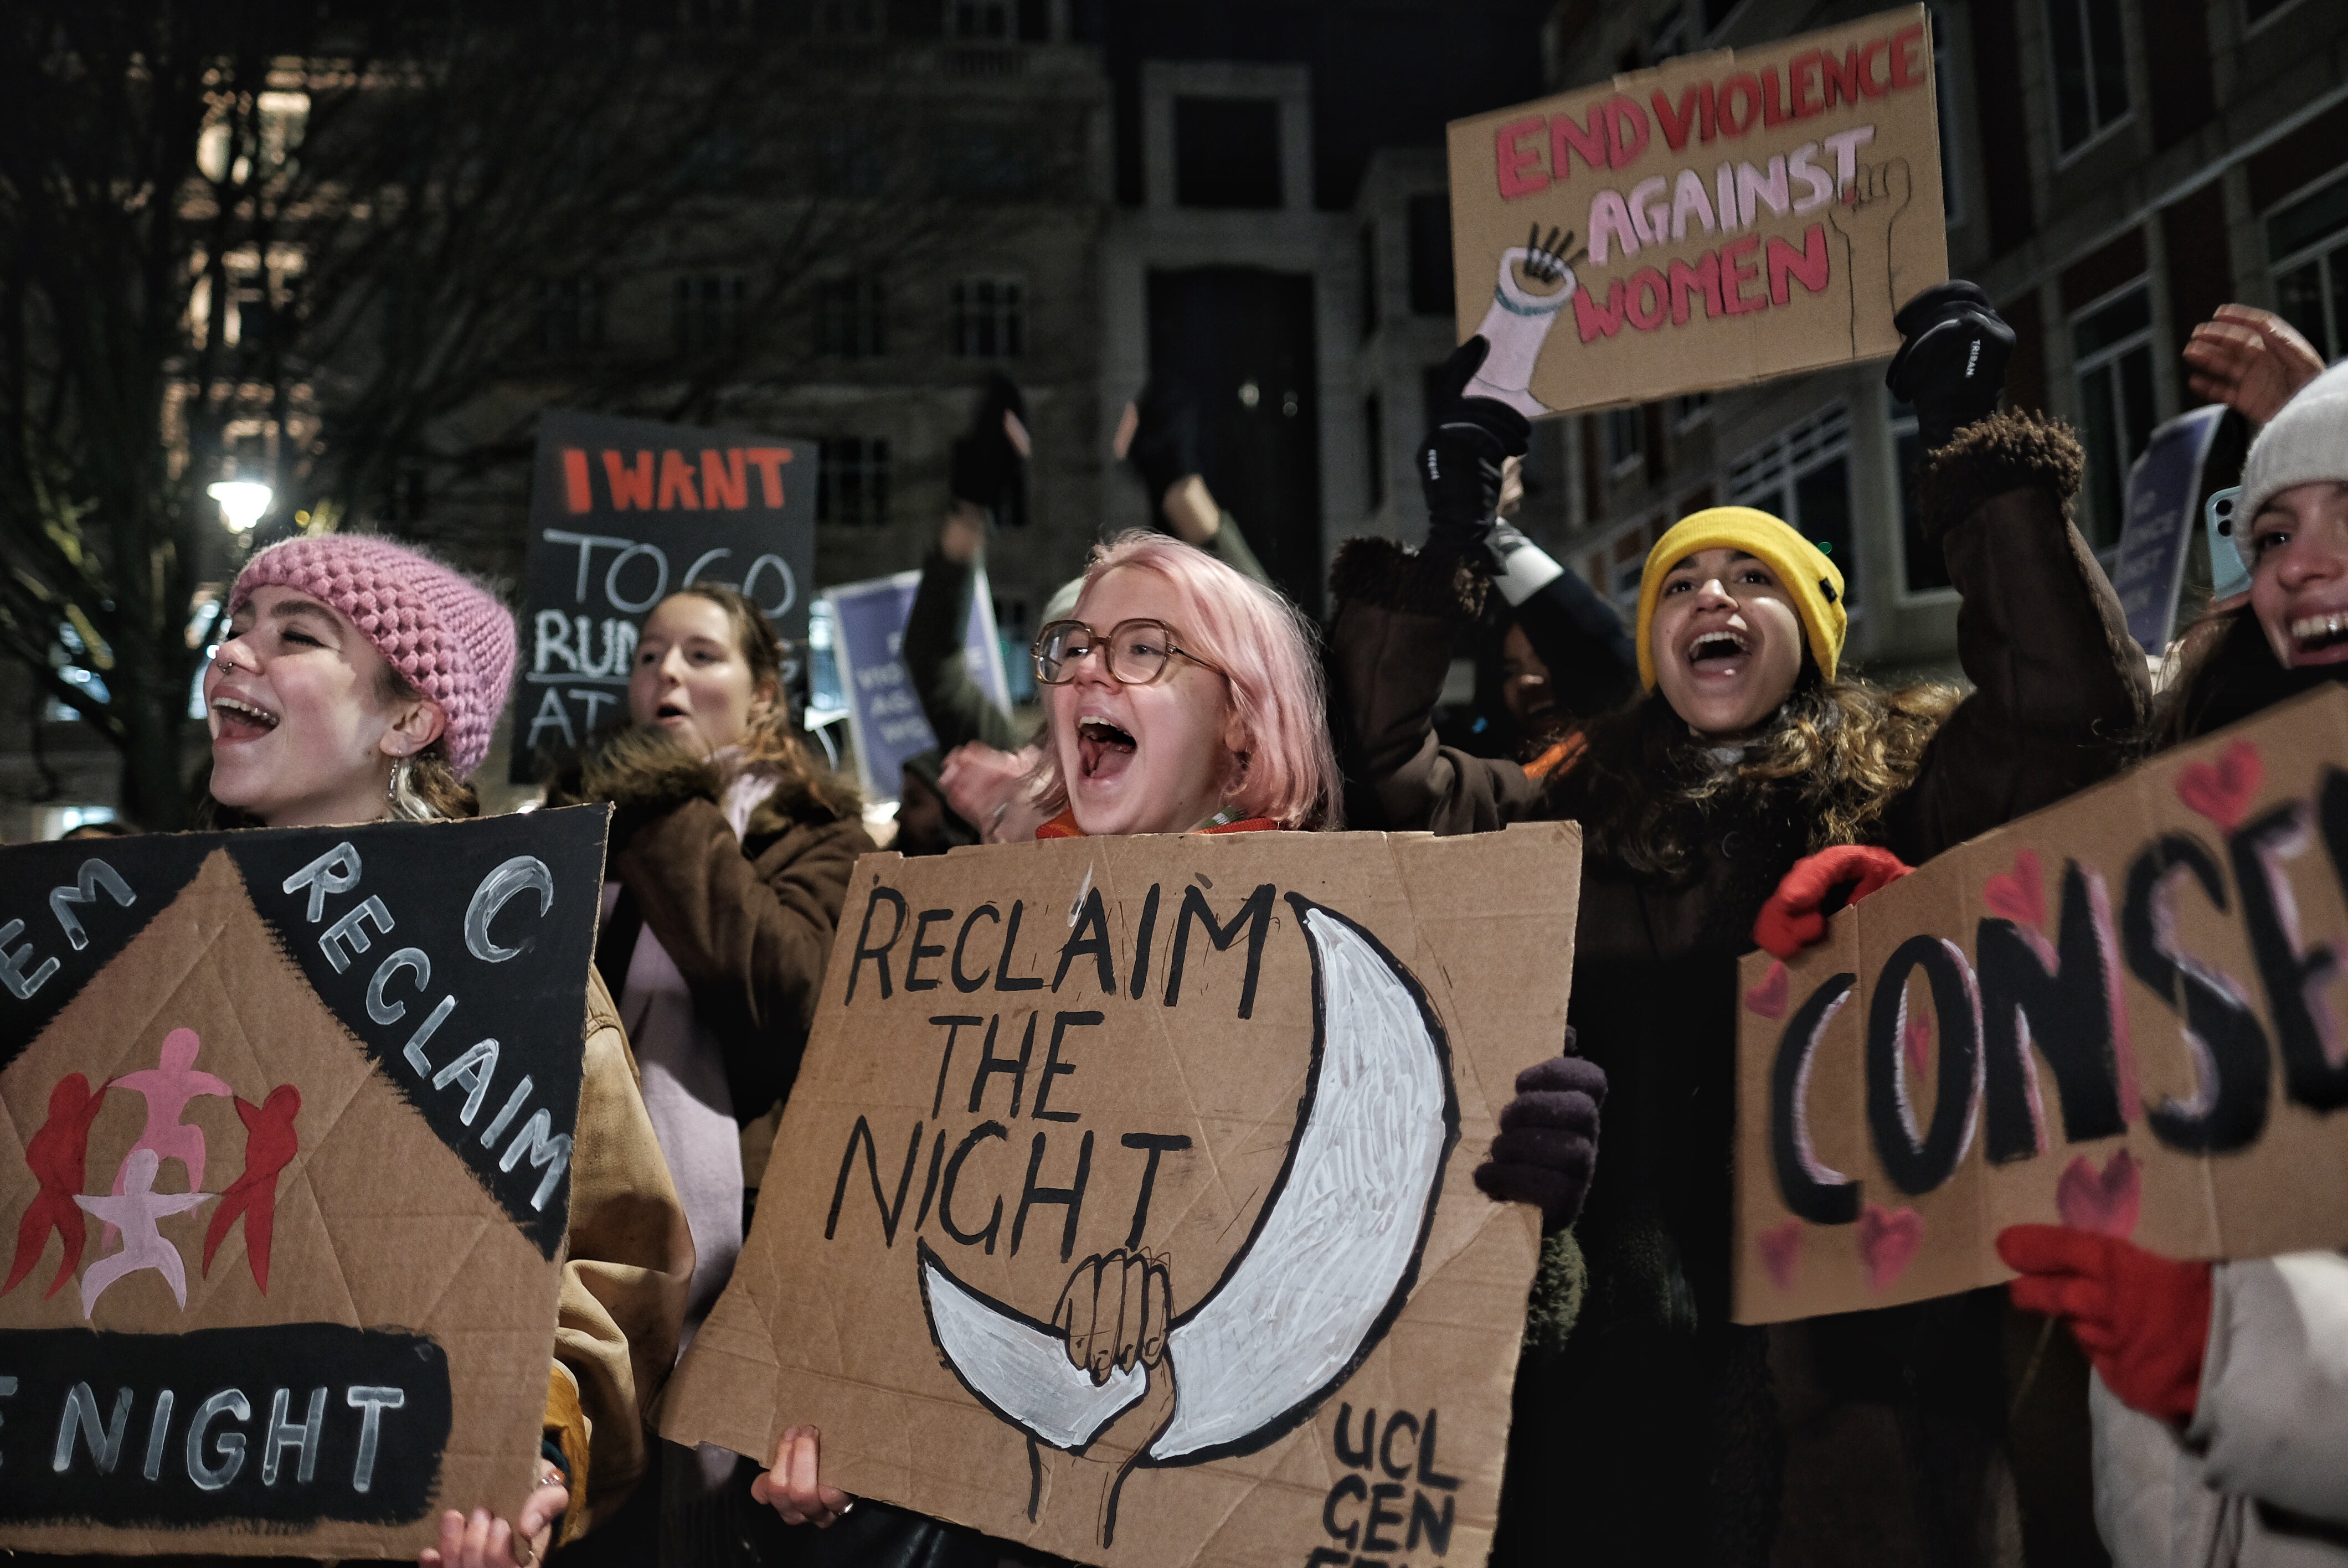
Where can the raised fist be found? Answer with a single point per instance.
(1115, 1312)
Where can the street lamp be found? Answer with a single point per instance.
(241, 502)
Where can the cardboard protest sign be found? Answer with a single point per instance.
(2114, 1014)
(1718, 220)
(2164, 509)
(623, 512)
(883, 712)
(286, 1163)
(1122, 1204)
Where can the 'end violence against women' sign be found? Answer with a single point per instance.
(1718, 220)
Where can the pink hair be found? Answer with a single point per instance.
(1289, 770)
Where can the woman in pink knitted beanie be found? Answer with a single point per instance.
(357, 674)
(358, 683)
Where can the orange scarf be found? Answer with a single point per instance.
(1065, 826)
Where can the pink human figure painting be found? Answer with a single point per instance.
(168, 1088)
(135, 1211)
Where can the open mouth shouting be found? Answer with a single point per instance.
(2320, 639)
(238, 719)
(1720, 653)
(1104, 750)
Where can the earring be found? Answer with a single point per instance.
(394, 786)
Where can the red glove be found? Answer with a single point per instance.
(1793, 919)
(2142, 1319)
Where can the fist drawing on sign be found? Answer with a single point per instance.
(1115, 1312)
(1864, 215)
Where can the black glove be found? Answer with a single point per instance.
(986, 466)
(1165, 446)
(1548, 1145)
(1952, 362)
(1459, 462)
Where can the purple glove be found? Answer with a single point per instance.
(1547, 1144)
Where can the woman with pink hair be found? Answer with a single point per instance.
(1181, 696)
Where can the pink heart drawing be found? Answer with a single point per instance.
(1888, 1242)
(2019, 895)
(1915, 1045)
(2106, 1204)
(1768, 999)
(2221, 791)
(1781, 1252)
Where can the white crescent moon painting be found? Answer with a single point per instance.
(1327, 1268)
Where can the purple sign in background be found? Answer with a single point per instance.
(2164, 493)
(868, 630)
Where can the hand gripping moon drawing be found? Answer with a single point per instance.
(1325, 1271)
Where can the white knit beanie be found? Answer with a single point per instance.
(2307, 444)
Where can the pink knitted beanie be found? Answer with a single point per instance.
(450, 637)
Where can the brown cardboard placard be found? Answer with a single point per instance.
(1268, 1063)
(285, 1167)
(1728, 217)
(2116, 1014)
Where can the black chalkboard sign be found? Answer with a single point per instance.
(295, 1113)
(623, 512)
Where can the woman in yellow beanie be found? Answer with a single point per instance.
(1659, 1432)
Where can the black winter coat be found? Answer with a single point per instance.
(1663, 1433)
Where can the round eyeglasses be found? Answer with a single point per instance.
(1133, 652)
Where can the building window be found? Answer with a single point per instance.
(706, 310)
(848, 18)
(2091, 93)
(848, 324)
(849, 161)
(986, 162)
(1667, 38)
(852, 483)
(1227, 152)
(1626, 440)
(980, 18)
(569, 315)
(1374, 443)
(2111, 345)
(1945, 120)
(1927, 564)
(1802, 475)
(1372, 307)
(2308, 242)
(990, 318)
(1431, 292)
(1689, 407)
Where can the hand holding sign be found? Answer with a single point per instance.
(482, 1540)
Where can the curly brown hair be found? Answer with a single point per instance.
(1832, 759)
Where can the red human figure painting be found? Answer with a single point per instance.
(269, 1148)
(58, 1154)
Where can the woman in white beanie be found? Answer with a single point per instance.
(2220, 1400)
(2291, 526)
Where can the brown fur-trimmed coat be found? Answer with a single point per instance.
(748, 921)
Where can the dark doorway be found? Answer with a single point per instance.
(1240, 340)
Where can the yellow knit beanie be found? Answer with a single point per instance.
(1810, 577)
